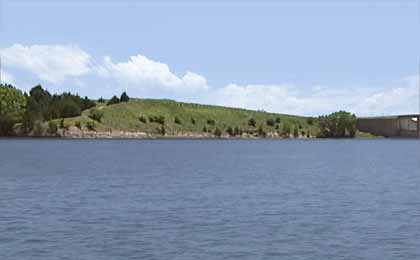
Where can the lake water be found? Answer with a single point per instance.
(209, 199)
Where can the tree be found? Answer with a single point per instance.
(211, 122)
(12, 108)
(230, 131)
(252, 122)
(270, 122)
(295, 132)
(287, 129)
(337, 125)
(217, 132)
(124, 97)
(177, 121)
(96, 115)
(261, 132)
(52, 128)
(113, 100)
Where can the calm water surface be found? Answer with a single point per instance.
(209, 199)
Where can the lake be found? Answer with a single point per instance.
(209, 199)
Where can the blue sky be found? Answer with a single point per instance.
(305, 57)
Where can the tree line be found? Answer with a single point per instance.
(22, 112)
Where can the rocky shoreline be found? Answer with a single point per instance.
(76, 133)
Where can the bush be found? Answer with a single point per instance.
(211, 122)
(287, 129)
(237, 131)
(113, 100)
(143, 119)
(193, 121)
(78, 124)
(39, 129)
(101, 100)
(252, 122)
(161, 130)
(205, 129)
(177, 121)
(270, 122)
(96, 114)
(62, 126)
(261, 132)
(310, 121)
(295, 132)
(52, 128)
(278, 120)
(124, 97)
(217, 132)
(157, 119)
(91, 126)
(230, 131)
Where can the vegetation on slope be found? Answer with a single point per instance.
(173, 118)
(40, 113)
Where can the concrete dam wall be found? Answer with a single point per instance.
(391, 126)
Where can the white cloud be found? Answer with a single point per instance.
(51, 63)
(6, 77)
(147, 75)
(144, 77)
(401, 98)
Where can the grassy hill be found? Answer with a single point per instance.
(140, 115)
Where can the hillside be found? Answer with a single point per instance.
(176, 119)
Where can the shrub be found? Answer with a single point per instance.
(217, 132)
(237, 131)
(252, 122)
(287, 129)
(211, 122)
(143, 119)
(261, 132)
(177, 121)
(157, 119)
(205, 129)
(113, 100)
(96, 114)
(52, 128)
(161, 130)
(101, 100)
(62, 126)
(78, 124)
(193, 121)
(91, 126)
(124, 97)
(39, 129)
(310, 121)
(230, 131)
(296, 132)
(270, 122)
(278, 120)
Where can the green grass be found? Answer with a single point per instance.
(125, 117)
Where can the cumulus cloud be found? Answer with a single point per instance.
(50, 63)
(148, 75)
(400, 98)
(7, 77)
(145, 77)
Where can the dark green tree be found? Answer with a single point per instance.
(113, 100)
(124, 97)
(12, 108)
(252, 122)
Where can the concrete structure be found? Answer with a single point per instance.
(391, 126)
